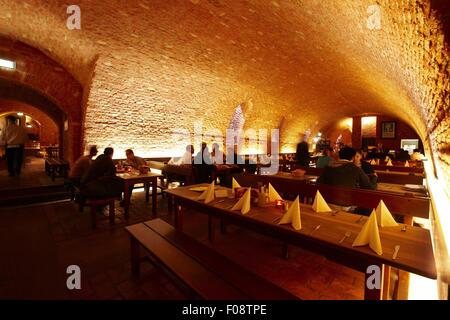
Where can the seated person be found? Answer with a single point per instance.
(216, 154)
(417, 155)
(345, 173)
(186, 159)
(133, 161)
(100, 180)
(403, 155)
(365, 166)
(326, 158)
(81, 166)
(203, 165)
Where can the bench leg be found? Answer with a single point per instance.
(178, 217)
(210, 228)
(93, 216)
(377, 293)
(146, 190)
(135, 256)
(223, 226)
(112, 214)
(169, 204)
(285, 251)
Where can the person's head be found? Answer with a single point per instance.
(129, 153)
(215, 146)
(204, 146)
(190, 148)
(93, 151)
(358, 157)
(347, 153)
(11, 119)
(328, 151)
(108, 152)
(416, 150)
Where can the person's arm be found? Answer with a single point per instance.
(365, 182)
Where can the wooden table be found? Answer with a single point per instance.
(415, 255)
(130, 179)
(400, 189)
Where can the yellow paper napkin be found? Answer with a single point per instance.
(370, 235)
(273, 194)
(319, 204)
(235, 184)
(389, 163)
(293, 215)
(407, 163)
(208, 194)
(384, 216)
(244, 203)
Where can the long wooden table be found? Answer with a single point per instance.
(130, 179)
(415, 255)
(405, 204)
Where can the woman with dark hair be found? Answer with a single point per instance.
(302, 155)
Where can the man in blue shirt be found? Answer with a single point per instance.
(326, 158)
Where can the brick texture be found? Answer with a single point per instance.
(49, 133)
(148, 67)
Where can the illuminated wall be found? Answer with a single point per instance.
(148, 67)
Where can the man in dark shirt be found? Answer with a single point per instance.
(100, 180)
(345, 173)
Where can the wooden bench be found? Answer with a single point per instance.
(199, 271)
(94, 204)
(56, 167)
(407, 206)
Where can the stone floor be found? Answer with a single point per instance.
(33, 175)
(37, 243)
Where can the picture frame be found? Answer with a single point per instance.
(388, 129)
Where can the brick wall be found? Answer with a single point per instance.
(151, 66)
(48, 79)
(49, 133)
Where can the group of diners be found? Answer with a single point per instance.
(209, 164)
(97, 178)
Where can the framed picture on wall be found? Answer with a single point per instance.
(388, 130)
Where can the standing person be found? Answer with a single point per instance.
(302, 154)
(81, 166)
(326, 158)
(217, 156)
(14, 138)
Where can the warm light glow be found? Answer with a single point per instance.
(369, 126)
(421, 288)
(20, 114)
(346, 123)
(7, 64)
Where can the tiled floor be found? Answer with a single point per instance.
(38, 243)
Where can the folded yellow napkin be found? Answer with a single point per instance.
(235, 184)
(407, 163)
(370, 235)
(273, 194)
(319, 204)
(384, 216)
(244, 202)
(208, 194)
(389, 163)
(293, 215)
(373, 162)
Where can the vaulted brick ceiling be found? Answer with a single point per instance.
(150, 66)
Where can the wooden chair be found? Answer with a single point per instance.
(95, 204)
